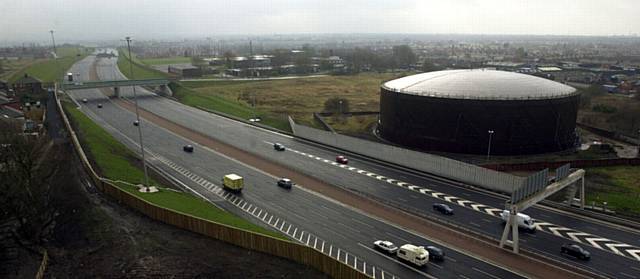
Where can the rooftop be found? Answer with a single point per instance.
(479, 84)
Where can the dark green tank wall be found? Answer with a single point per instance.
(462, 125)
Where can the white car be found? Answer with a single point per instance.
(386, 246)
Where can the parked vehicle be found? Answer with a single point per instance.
(435, 253)
(443, 208)
(278, 147)
(186, 148)
(575, 251)
(233, 182)
(385, 246)
(99, 105)
(85, 100)
(342, 159)
(524, 221)
(416, 255)
(285, 183)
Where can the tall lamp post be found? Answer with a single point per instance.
(638, 155)
(489, 147)
(135, 100)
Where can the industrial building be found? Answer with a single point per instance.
(478, 112)
(185, 71)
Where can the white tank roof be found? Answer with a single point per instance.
(479, 84)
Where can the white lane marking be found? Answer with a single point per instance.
(628, 275)
(362, 223)
(485, 273)
(393, 235)
(397, 261)
(556, 230)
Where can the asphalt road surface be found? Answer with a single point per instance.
(311, 219)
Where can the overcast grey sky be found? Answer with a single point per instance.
(29, 20)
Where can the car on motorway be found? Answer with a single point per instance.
(84, 100)
(188, 148)
(575, 251)
(285, 183)
(136, 123)
(385, 246)
(99, 105)
(278, 147)
(435, 253)
(443, 208)
(342, 159)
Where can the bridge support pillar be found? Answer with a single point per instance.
(164, 90)
(116, 92)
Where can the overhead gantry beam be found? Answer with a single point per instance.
(114, 83)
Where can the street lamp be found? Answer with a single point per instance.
(135, 100)
(489, 147)
(638, 155)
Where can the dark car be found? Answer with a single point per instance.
(136, 123)
(278, 147)
(575, 251)
(188, 148)
(99, 105)
(435, 253)
(285, 183)
(443, 208)
(342, 159)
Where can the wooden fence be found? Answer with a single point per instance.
(43, 265)
(243, 238)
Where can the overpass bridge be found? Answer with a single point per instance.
(116, 84)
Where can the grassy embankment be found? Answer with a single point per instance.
(115, 161)
(140, 70)
(296, 97)
(167, 60)
(49, 69)
(619, 186)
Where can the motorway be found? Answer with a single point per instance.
(333, 228)
(390, 185)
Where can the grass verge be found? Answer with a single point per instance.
(114, 161)
(167, 60)
(193, 98)
(619, 186)
(50, 69)
(140, 71)
(299, 97)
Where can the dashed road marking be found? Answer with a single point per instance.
(605, 244)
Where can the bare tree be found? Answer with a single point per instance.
(33, 175)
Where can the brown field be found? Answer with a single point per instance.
(299, 97)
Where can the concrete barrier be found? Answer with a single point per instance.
(429, 163)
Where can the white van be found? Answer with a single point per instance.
(414, 254)
(524, 221)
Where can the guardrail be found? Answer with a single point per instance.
(255, 241)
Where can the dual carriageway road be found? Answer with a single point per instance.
(344, 227)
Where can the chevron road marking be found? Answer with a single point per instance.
(577, 236)
(573, 235)
(635, 253)
(613, 246)
(242, 205)
(594, 241)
